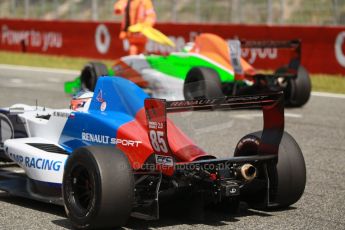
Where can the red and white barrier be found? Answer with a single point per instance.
(323, 48)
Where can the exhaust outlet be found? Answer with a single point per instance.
(247, 171)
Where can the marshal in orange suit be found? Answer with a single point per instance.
(135, 11)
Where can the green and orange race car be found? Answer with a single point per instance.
(207, 68)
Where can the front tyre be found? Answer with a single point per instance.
(98, 188)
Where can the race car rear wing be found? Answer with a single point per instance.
(272, 106)
(294, 45)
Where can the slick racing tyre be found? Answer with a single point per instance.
(297, 91)
(202, 83)
(90, 74)
(6, 132)
(98, 188)
(287, 177)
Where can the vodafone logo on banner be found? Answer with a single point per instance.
(339, 52)
(102, 39)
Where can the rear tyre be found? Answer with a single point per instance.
(202, 83)
(90, 74)
(287, 177)
(98, 188)
(297, 92)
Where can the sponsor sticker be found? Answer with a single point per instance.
(61, 114)
(164, 160)
(37, 163)
(103, 139)
(235, 55)
(103, 106)
(99, 97)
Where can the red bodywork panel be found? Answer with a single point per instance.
(179, 145)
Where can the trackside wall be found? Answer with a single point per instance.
(323, 49)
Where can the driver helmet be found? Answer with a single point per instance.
(81, 101)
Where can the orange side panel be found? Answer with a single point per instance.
(216, 49)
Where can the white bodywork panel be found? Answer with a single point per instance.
(49, 129)
(37, 164)
(163, 85)
(39, 127)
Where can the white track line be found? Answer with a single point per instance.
(39, 69)
(293, 115)
(251, 116)
(331, 95)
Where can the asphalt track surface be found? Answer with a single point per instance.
(318, 127)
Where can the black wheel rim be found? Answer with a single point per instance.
(82, 188)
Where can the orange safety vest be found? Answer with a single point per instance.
(140, 11)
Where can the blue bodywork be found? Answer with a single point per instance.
(123, 100)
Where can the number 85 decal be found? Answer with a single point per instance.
(158, 141)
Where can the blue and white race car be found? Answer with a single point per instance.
(114, 153)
